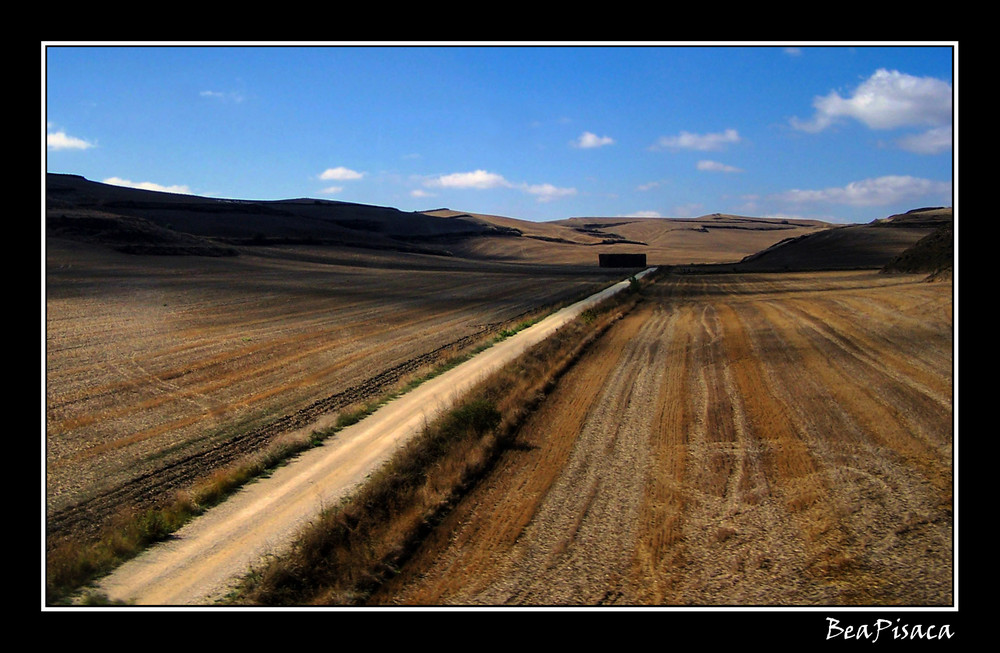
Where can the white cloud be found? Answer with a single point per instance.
(877, 191)
(419, 193)
(650, 186)
(715, 166)
(932, 141)
(547, 192)
(703, 142)
(484, 180)
(332, 190)
(688, 210)
(886, 100)
(147, 185)
(589, 140)
(62, 141)
(340, 173)
(479, 179)
(232, 96)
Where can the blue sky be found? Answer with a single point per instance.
(845, 133)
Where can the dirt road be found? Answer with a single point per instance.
(161, 370)
(198, 564)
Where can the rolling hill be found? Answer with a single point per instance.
(150, 222)
(865, 246)
(184, 334)
(716, 238)
(142, 221)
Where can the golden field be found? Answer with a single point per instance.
(735, 440)
(770, 422)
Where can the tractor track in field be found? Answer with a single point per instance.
(200, 563)
(90, 516)
(161, 371)
(736, 440)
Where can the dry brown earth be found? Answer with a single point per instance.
(162, 368)
(738, 440)
(204, 561)
(760, 438)
(713, 238)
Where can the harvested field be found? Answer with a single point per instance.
(752, 439)
(160, 369)
(665, 241)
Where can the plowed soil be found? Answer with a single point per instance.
(160, 369)
(737, 440)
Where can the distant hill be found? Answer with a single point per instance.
(712, 238)
(932, 254)
(151, 222)
(931, 217)
(867, 246)
(123, 218)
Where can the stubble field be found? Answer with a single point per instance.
(161, 369)
(754, 439)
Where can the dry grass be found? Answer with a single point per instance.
(789, 439)
(74, 561)
(356, 547)
(709, 239)
(160, 370)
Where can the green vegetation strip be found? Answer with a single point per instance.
(354, 547)
(71, 565)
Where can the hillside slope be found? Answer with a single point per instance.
(932, 254)
(867, 246)
(715, 238)
(150, 222)
(80, 209)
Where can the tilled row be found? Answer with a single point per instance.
(89, 517)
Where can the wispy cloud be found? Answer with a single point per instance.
(147, 185)
(878, 191)
(589, 140)
(701, 142)
(224, 96)
(933, 141)
(485, 180)
(688, 210)
(60, 140)
(547, 192)
(715, 166)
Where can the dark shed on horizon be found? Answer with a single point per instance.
(622, 260)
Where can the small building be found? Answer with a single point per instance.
(622, 260)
